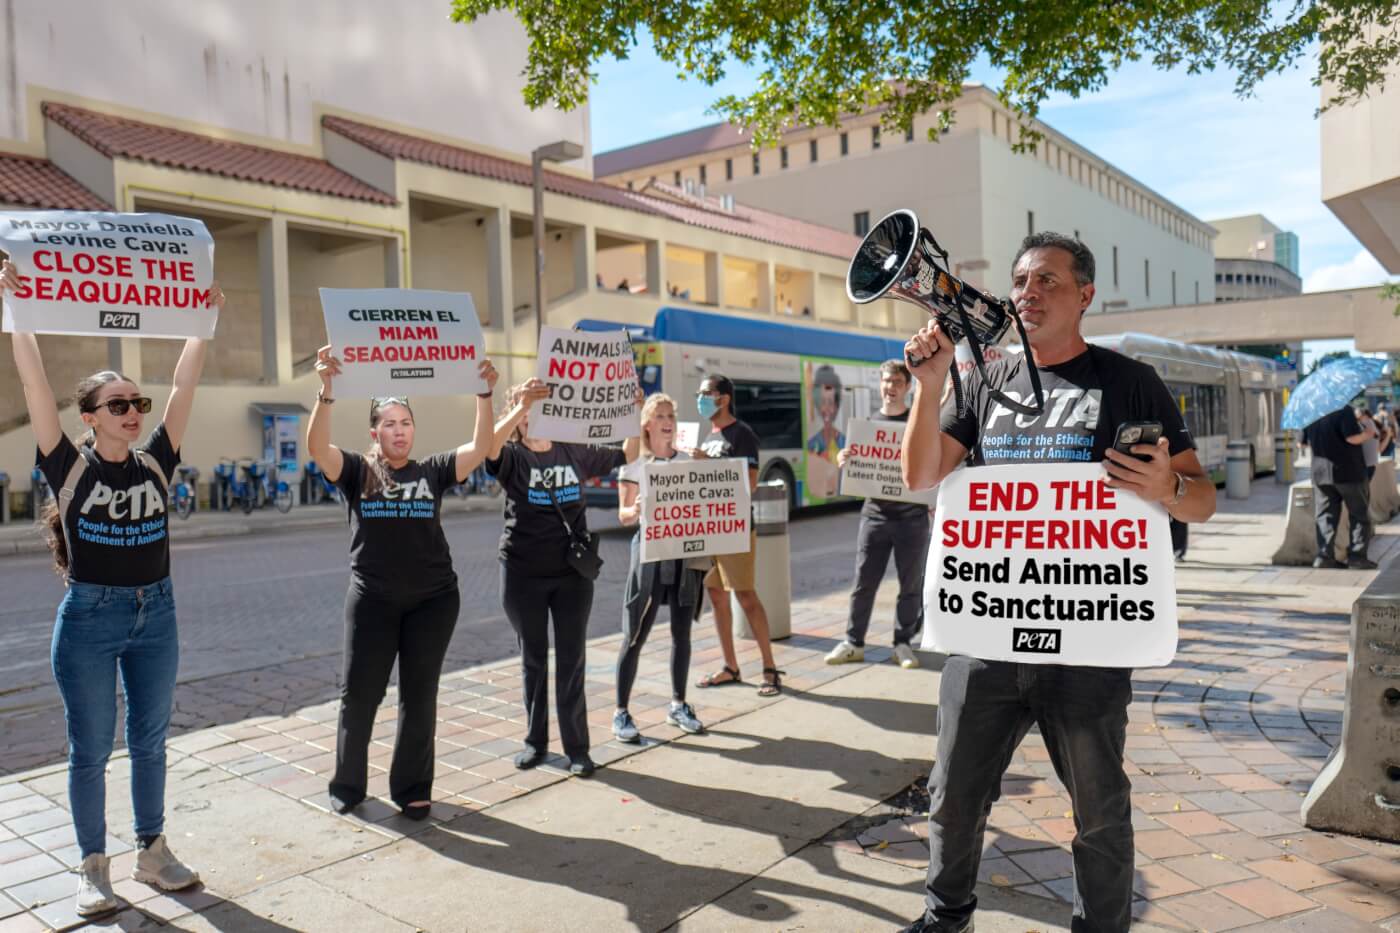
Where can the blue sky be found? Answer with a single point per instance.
(1187, 137)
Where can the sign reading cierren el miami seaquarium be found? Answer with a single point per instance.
(108, 275)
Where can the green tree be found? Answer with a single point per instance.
(1326, 358)
(822, 59)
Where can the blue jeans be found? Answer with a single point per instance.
(985, 709)
(100, 630)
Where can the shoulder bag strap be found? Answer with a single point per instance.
(149, 461)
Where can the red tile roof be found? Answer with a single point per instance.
(676, 146)
(742, 221)
(118, 137)
(30, 182)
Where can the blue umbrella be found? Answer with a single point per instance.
(1331, 387)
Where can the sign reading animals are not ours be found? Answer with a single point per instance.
(404, 341)
(105, 274)
(592, 381)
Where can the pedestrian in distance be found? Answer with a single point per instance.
(888, 527)
(548, 564)
(675, 584)
(109, 532)
(403, 600)
(1340, 479)
(734, 573)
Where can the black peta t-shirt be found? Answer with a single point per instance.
(118, 529)
(735, 440)
(888, 509)
(1086, 398)
(396, 540)
(1327, 437)
(533, 539)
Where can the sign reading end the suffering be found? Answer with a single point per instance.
(108, 275)
(404, 341)
(1049, 565)
(695, 508)
(872, 463)
(592, 383)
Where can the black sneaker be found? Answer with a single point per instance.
(529, 757)
(1328, 563)
(582, 766)
(1362, 563)
(925, 925)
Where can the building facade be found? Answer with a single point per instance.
(975, 193)
(1254, 236)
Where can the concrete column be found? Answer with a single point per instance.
(124, 356)
(500, 285)
(767, 289)
(395, 263)
(585, 257)
(274, 284)
(714, 279)
(656, 268)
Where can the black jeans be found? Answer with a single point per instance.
(1328, 511)
(530, 602)
(378, 629)
(908, 539)
(682, 618)
(985, 709)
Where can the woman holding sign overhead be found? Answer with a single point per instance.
(676, 584)
(549, 561)
(403, 598)
(109, 533)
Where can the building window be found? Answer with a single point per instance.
(1147, 277)
(1173, 286)
(862, 223)
(1030, 223)
(994, 122)
(678, 178)
(702, 174)
(1115, 267)
(811, 150)
(782, 156)
(909, 134)
(1076, 234)
(845, 144)
(1198, 292)
(728, 169)
(874, 137)
(755, 163)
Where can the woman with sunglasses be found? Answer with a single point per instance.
(109, 533)
(403, 599)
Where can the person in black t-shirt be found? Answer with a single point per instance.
(734, 573)
(403, 600)
(985, 707)
(544, 510)
(887, 526)
(1339, 476)
(109, 533)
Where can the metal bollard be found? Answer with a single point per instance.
(1283, 459)
(772, 563)
(1237, 470)
(4, 498)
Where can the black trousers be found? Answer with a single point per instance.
(682, 618)
(530, 603)
(1328, 513)
(378, 629)
(908, 539)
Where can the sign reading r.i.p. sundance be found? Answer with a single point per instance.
(1047, 564)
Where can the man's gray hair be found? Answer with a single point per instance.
(1083, 258)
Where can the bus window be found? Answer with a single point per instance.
(773, 410)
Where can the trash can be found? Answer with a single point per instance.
(1283, 459)
(772, 564)
(4, 498)
(1238, 470)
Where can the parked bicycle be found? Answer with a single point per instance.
(267, 486)
(479, 483)
(184, 495)
(235, 487)
(318, 488)
(39, 492)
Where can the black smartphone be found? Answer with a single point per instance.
(1136, 432)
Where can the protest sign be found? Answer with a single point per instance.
(695, 508)
(687, 435)
(403, 341)
(108, 275)
(1049, 565)
(592, 387)
(872, 463)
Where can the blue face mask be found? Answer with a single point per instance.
(707, 406)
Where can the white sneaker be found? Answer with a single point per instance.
(906, 657)
(157, 865)
(95, 895)
(845, 653)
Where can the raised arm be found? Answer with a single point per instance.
(38, 394)
(318, 429)
(632, 447)
(187, 372)
(927, 454)
(470, 454)
(532, 391)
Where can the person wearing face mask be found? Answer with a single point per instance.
(109, 533)
(403, 599)
(887, 526)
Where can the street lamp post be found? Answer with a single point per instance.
(562, 151)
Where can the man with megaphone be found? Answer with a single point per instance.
(1067, 399)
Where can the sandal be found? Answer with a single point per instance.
(725, 675)
(773, 687)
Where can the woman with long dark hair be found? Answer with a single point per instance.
(403, 599)
(109, 533)
(544, 576)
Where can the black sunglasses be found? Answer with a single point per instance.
(120, 406)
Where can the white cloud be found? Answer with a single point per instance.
(1360, 271)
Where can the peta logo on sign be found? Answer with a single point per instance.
(118, 320)
(600, 431)
(692, 547)
(892, 490)
(1036, 640)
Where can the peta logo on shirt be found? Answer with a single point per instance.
(554, 477)
(135, 503)
(407, 492)
(1065, 407)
